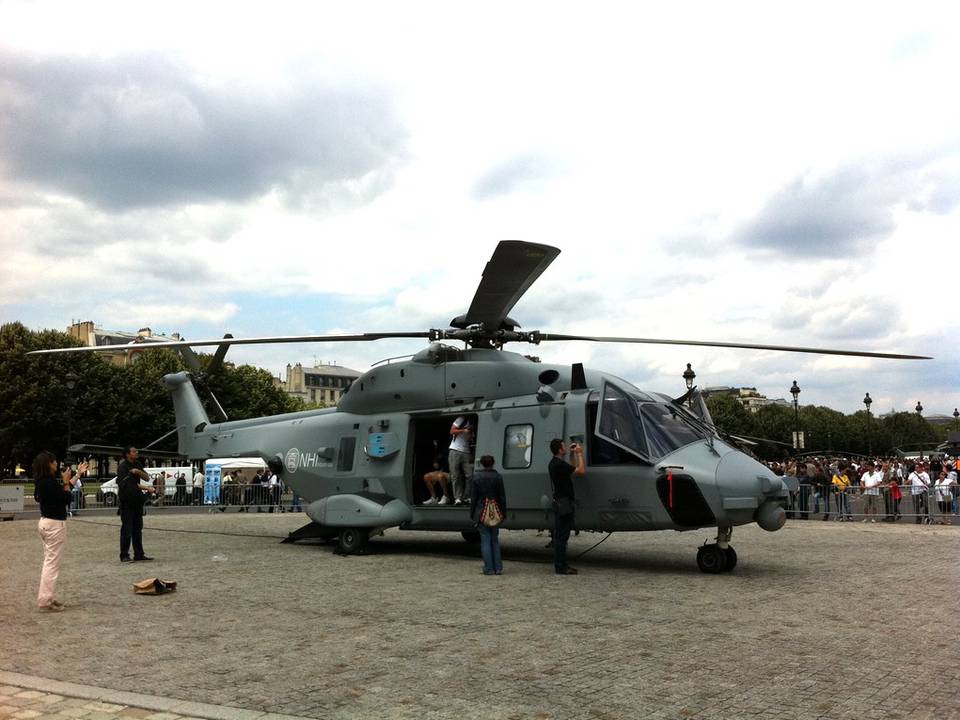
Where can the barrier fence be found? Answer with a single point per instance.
(255, 498)
(856, 503)
(930, 506)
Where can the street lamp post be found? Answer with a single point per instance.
(688, 377)
(71, 383)
(956, 418)
(919, 409)
(868, 402)
(795, 391)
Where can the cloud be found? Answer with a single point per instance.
(144, 130)
(837, 216)
(512, 174)
(846, 319)
(846, 213)
(136, 314)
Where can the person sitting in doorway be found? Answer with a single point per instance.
(434, 478)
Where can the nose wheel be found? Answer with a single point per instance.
(718, 557)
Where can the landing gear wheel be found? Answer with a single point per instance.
(352, 541)
(471, 536)
(711, 559)
(731, 558)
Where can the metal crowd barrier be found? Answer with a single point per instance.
(239, 497)
(856, 503)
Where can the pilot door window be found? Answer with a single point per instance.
(348, 448)
(619, 421)
(517, 447)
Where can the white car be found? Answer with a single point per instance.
(107, 494)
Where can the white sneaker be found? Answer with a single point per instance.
(444, 501)
(431, 501)
(458, 501)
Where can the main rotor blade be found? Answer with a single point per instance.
(365, 337)
(218, 357)
(512, 269)
(745, 346)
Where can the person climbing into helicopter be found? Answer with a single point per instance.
(434, 478)
(461, 459)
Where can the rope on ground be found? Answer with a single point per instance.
(183, 530)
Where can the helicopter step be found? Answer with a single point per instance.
(310, 531)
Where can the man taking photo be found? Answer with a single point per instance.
(132, 483)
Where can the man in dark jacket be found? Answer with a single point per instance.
(130, 475)
(488, 486)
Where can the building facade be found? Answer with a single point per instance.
(318, 384)
(746, 396)
(92, 336)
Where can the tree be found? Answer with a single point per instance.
(731, 416)
(110, 404)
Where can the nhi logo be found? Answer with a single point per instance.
(295, 459)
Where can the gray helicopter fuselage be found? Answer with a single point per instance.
(361, 464)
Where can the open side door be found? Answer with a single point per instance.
(619, 423)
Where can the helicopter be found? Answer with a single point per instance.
(653, 462)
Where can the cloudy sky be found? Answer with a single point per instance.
(735, 171)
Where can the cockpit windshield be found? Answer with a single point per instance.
(643, 426)
(667, 429)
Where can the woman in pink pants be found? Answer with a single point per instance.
(54, 497)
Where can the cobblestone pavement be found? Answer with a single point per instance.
(819, 620)
(26, 697)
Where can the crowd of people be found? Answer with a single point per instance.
(833, 486)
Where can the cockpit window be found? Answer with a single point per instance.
(667, 429)
(635, 423)
(619, 421)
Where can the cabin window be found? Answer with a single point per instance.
(348, 448)
(517, 446)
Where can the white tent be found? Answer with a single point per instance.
(236, 463)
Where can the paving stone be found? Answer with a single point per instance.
(412, 630)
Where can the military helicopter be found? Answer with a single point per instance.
(653, 462)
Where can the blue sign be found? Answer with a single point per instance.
(211, 485)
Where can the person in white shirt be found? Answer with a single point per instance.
(871, 481)
(919, 485)
(461, 459)
(198, 478)
(273, 489)
(945, 494)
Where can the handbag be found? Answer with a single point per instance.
(491, 515)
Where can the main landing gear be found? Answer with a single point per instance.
(718, 557)
(353, 541)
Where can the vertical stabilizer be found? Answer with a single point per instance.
(189, 412)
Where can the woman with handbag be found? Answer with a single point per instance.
(53, 496)
(488, 509)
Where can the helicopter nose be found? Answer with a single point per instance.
(749, 488)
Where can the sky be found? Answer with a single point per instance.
(744, 172)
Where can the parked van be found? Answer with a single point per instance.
(107, 494)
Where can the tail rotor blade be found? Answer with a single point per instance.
(190, 358)
(219, 408)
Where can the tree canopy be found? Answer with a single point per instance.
(824, 429)
(110, 404)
